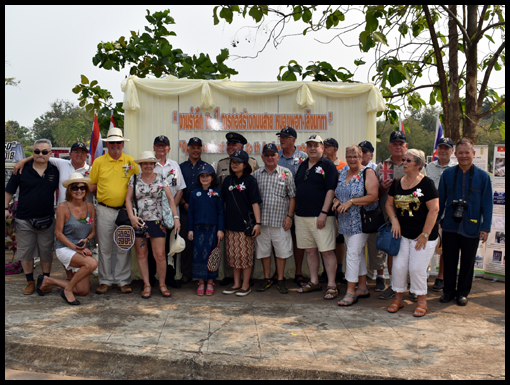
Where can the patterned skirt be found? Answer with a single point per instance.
(205, 239)
(239, 249)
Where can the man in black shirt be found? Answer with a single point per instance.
(35, 217)
(316, 180)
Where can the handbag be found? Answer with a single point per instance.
(213, 261)
(249, 225)
(122, 216)
(168, 216)
(41, 223)
(370, 220)
(385, 241)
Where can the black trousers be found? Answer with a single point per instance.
(452, 244)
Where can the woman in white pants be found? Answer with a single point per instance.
(350, 196)
(413, 205)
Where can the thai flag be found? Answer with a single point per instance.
(96, 144)
(439, 135)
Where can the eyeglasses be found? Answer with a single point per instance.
(44, 152)
(271, 155)
(408, 160)
(235, 163)
(76, 188)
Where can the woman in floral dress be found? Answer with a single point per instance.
(148, 221)
(350, 196)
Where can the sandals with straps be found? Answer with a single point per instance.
(210, 291)
(164, 292)
(146, 294)
(200, 290)
(395, 306)
(332, 291)
(348, 300)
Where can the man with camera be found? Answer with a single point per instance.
(465, 198)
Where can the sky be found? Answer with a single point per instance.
(48, 47)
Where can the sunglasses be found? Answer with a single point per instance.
(116, 142)
(76, 188)
(408, 160)
(44, 152)
(306, 174)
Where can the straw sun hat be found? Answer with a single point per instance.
(146, 156)
(76, 177)
(115, 135)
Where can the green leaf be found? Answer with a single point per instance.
(297, 13)
(380, 37)
(84, 80)
(371, 22)
(256, 13)
(395, 77)
(307, 16)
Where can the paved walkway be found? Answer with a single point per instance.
(262, 336)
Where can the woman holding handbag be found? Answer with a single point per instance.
(350, 197)
(147, 222)
(242, 220)
(413, 205)
(206, 226)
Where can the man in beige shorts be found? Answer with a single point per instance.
(316, 180)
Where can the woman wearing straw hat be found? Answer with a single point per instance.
(148, 221)
(74, 228)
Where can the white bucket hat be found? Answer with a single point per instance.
(146, 156)
(76, 177)
(115, 135)
(177, 244)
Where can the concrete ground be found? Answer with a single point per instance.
(262, 336)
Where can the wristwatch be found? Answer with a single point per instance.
(425, 235)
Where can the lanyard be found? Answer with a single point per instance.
(471, 172)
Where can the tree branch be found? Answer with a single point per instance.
(486, 77)
(457, 21)
(411, 90)
(492, 109)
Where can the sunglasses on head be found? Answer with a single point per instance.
(44, 152)
(76, 188)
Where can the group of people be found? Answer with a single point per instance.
(295, 202)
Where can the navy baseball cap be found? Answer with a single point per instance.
(287, 131)
(397, 136)
(234, 137)
(195, 140)
(331, 142)
(270, 147)
(241, 156)
(79, 145)
(446, 142)
(162, 139)
(366, 145)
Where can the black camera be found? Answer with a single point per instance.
(458, 209)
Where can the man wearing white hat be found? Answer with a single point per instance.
(316, 180)
(110, 176)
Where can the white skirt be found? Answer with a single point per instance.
(64, 255)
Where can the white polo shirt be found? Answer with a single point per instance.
(172, 174)
(65, 168)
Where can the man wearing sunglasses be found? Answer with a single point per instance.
(110, 176)
(76, 163)
(35, 222)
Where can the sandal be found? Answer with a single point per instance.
(164, 292)
(395, 306)
(300, 280)
(309, 287)
(210, 291)
(146, 293)
(365, 294)
(200, 290)
(332, 291)
(348, 300)
(420, 311)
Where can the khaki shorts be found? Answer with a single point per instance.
(276, 236)
(34, 243)
(309, 237)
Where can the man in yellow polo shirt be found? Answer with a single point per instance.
(110, 175)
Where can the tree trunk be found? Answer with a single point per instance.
(452, 128)
(472, 108)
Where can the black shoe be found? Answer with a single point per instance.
(282, 288)
(184, 280)
(413, 297)
(226, 281)
(438, 285)
(461, 300)
(173, 283)
(266, 284)
(446, 298)
(75, 302)
(39, 283)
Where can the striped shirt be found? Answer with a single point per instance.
(276, 190)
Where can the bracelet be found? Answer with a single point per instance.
(290, 216)
(324, 212)
(7, 208)
(394, 216)
(260, 224)
(351, 201)
(176, 217)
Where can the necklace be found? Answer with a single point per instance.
(413, 183)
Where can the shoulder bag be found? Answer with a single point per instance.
(249, 225)
(385, 241)
(122, 216)
(370, 220)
